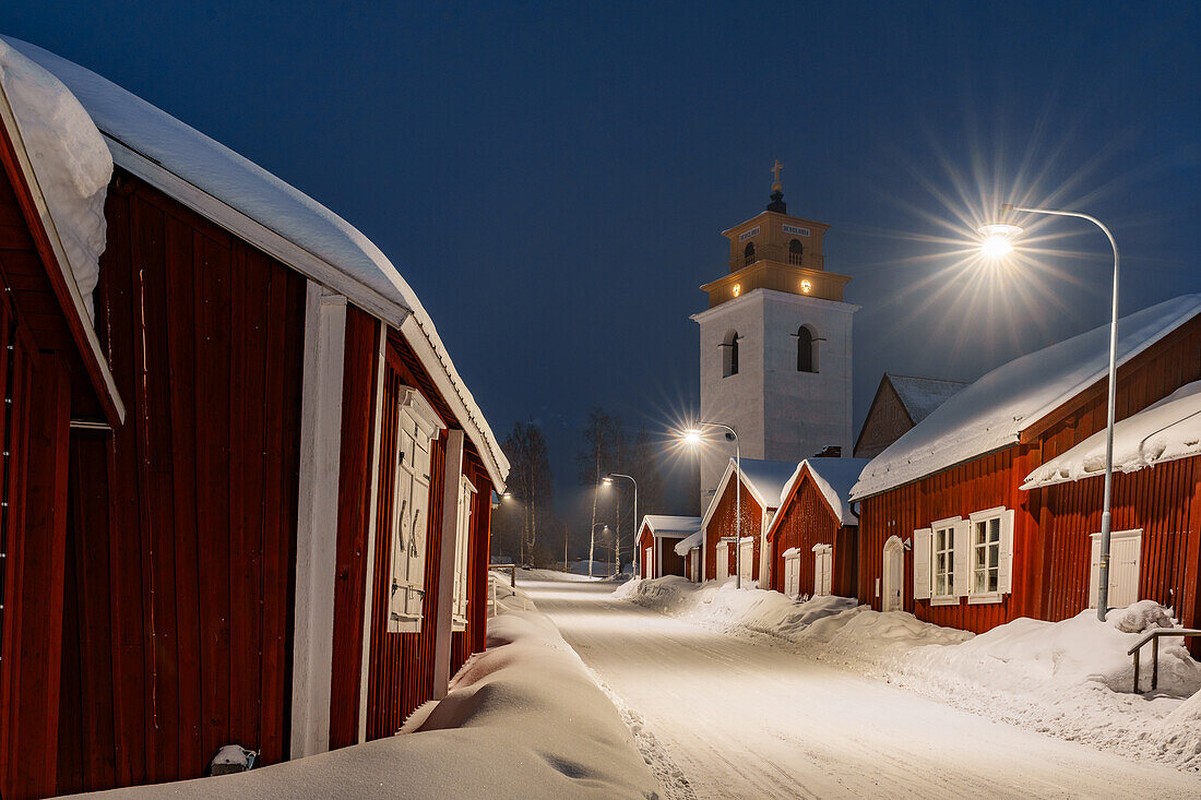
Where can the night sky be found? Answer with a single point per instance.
(553, 179)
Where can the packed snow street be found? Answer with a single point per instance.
(718, 714)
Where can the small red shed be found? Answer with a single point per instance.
(945, 530)
(657, 539)
(813, 536)
(758, 486)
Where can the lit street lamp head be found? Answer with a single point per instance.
(691, 436)
(998, 239)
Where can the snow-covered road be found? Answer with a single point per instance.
(724, 717)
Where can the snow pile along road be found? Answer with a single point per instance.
(523, 719)
(1071, 679)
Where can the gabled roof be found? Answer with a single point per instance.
(763, 478)
(694, 540)
(920, 396)
(993, 411)
(250, 202)
(60, 169)
(661, 525)
(1165, 431)
(834, 478)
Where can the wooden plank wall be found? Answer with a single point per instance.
(806, 521)
(723, 523)
(192, 503)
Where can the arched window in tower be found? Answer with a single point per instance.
(729, 354)
(806, 349)
(795, 251)
(748, 254)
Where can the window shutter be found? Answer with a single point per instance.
(963, 557)
(1005, 564)
(921, 563)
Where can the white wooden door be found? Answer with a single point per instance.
(694, 556)
(648, 563)
(746, 556)
(1125, 553)
(723, 560)
(822, 568)
(894, 576)
(792, 574)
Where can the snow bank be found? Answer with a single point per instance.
(1165, 431)
(523, 719)
(70, 161)
(1070, 679)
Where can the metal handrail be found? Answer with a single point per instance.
(1153, 637)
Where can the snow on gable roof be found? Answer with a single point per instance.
(667, 525)
(244, 198)
(764, 479)
(693, 541)
(921, 396)
(1165, 431)
(834, 478)
(992, 412)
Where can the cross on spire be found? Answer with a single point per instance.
(775, 172)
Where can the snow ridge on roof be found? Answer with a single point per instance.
(834, 478)
(144, 138)
(694, 540)
(767, 478)
(1165, 431)
(665, 524)
(993, 411)
(921, 396)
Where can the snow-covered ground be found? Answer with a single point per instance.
(523, 720)
(747, 694)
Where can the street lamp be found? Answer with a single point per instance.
(996, 244)
(608, 480)
(591, 553)
(694, 436)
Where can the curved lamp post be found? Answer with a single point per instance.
(608, 481)
(694, 436)
(997, 243)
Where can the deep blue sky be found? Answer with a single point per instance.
(553, 179)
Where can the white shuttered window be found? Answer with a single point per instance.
(416, 427)
(823, 564)
(458, 618)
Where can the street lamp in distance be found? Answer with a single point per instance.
(608, 481)
(694, 436)
(997, 242)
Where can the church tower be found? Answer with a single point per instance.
(776, 344)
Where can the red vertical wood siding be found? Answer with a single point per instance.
(645, 539)
(474, 638)
(192, 503)
(354, 498)
(723, 523)
(804, 520)
(1051, 550)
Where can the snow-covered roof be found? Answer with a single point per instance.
(834, 478)
(694, 540)
(921, 396)
(763, 478)
(668, 525)
(993, 411)
(66, 168)
(1165, 431)
(244, 198)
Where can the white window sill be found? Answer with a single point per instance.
(981, 599)
(399, 624)
(944, 601)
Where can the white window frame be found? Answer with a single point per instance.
(1094, 577)
(792, 572)
(458, 617)
(410, 524)
(956, 559)
(823, 569)
(1003, 546)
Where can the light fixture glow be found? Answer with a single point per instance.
(806, 286)
(737, 289)
(998, 239)
(692, 436)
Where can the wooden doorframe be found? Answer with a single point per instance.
(893, 575)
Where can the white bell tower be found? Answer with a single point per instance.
(775, 344)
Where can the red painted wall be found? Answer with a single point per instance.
(183, 521)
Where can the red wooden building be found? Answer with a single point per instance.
(761, 482)
(657, 540)
(284, 545)
(812, 539)
(1155, 547)
(945, 530)
(900, 402)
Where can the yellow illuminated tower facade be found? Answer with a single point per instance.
(775, 343)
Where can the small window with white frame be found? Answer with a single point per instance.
(417, 425)
(943, 568)
(990, 556)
